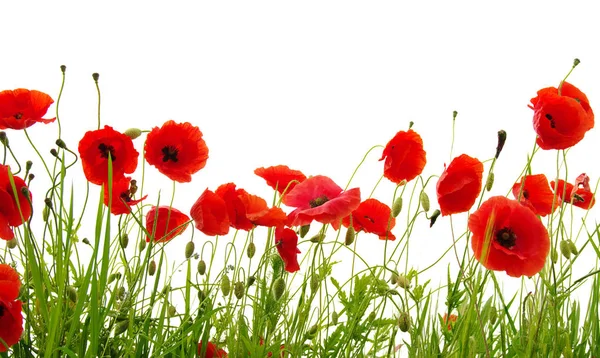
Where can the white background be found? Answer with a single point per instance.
(310, 84)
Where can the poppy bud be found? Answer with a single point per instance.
(72, 294)
(95, 76)
(3, 138)
(554, 255)
(334, 318)
(394, 279)
(418, 292)
(278, 288)
(251, 250)
(573, 248)
(172, 311)
(489, 182)
(121, 327)
(48, 203)
(112, 277)
(63, 68)
(54, 152)
(152, 268)
(350, 234)
(317, 238)
(166, 289)
(312, 332)
(454, 115)
(86, 241)
(576, 62)
(45, 213)
(142, 245)
(225, 285)
(201, 296)
(424, 198)
(493, 315)
(189, 249)
(372, 316)
(314, 282)
(403, 282)
(397, 207)
(411, 124)
(434, 217)
(238, 290)
(501, 141)
(61, 144)
(276, 265)
(11, 244)
(24, 190)
(201, 267)
(250, 281)
(565, 250)
(304, 230)
(124, 241)
(133, 133)
(404, 321)
(28, 165)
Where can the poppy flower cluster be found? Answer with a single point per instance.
(22, 108)
(14, 211)
(11, 318)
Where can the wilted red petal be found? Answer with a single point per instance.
(459, 185)
(177, 150)
(166, 222)
(286, 241)
(535, 193)
(210, 214)
(404, 157)
(22, 108)
(280, 176)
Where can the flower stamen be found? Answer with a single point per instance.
(506, 237)
(105, 150)
(318, 201)
(170, 153)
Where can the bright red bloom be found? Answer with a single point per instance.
(450, 320)
(11, 318)
(122, 191)
(96, 146)
(177, 150)
(371, 216)
(166, 222)
(535, 193)
(459, 185)
(579, 194)
(561, 121)
(404, 157)
(280, 177)
(319, 198)
(246, 210)
(21, 108)
(210, 214)
(286, 241)
(212, 351)
(10, 216)
(508, 236)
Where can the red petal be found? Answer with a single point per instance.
(459, 185)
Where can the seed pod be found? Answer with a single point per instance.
(565, 250)
(124, 240)
(201, 296)
(489, 182)
(172, 311)
(112, 277)
(45, 213)
(314, 282)
(121, 327)
(225, 285)
(152, 268)
(372, 316)
(238, 290)
(404, 321)
(424, 198)
(397, 207)
(573, 248)
(278, 288)
(350, 235)
(189, 249)
(251, 250)
(304, 230)
(133, 133)
(72, 294)
(250, 281)
(317, 238)
(142, 245)
(334, 318)
(11, 244)
(493, 315)
(201, 267)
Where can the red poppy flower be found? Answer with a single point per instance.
(459, 185)
(212, 351)
(166, 222)
(561, 121)
(450, 320)
(10, 216)
(11, 318)
(319, 198)
(535, 194)
(404, 157)
(209, 213)
(96, 146)
(122, 191)
(286, 241)
(508, 236)
(280, 177)
(21, 108)
(579, 194)
(177, 150)
(246, 210)
(371, 216)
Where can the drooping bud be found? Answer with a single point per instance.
(61, 143)
(172, 311)
(225, 285)
(565, 250)
(278, 288)
(350, 235)
(121, 327)
(250, 281)
(189, 249)
(152, 268)
(95, 76)
(312, 332)
(86, 241)
(201, 267)
(304, 230)
(201, 296)
(424, 198)
(63, 68)
(4, 138)
(28, 165)
(576, 62)
(489, 182)
(501, 141)
(45, 213)
(554, 255)
(394, 279)
(142, 245)
(314, 282)
(403, 282)
(54, 153)
(11, 244)
(372, 316)
(573, 248)
(493, 315)
(251, 250)
(334, 318)
(404, 321)
(112, 277)
(72, 294)
(434, 217)
(397, 207)
(276, 265)
(133, 133)
(124, 240)
(238, 290)
(317, 238)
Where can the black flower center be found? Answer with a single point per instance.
(549, 117)
(126, 196)
(170, 153)
(525, 194)
(19, 115)
(318, 201)
(105, 150)
(1, 310)
(370, 219)
(506, 237)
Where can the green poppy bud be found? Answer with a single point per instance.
(314, 282)
(434, 217)
(501, 141)
(189, 249)
(124, 240)
(238, 290)
(350, 235)
(142, 245)
(121, 327)
(251, 250)
(489, 182)
(276, 265)
(335, 318)
(493, 315)
(45, 213)
(172, 311)
(225, 285)
(565, 250)
(397, 207)
(424, 198)
(201, 267)
(61, 143)
(278, 288)
(250, 281)
(404, 321)
(403, 282)
(152, 268)
(11, 244)
(133, 133)
(113, 277)
(28, 165)
(72, 294)
(304, 230)
(554, 255)
(573, 248)
(372, 316)
(317, 238)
